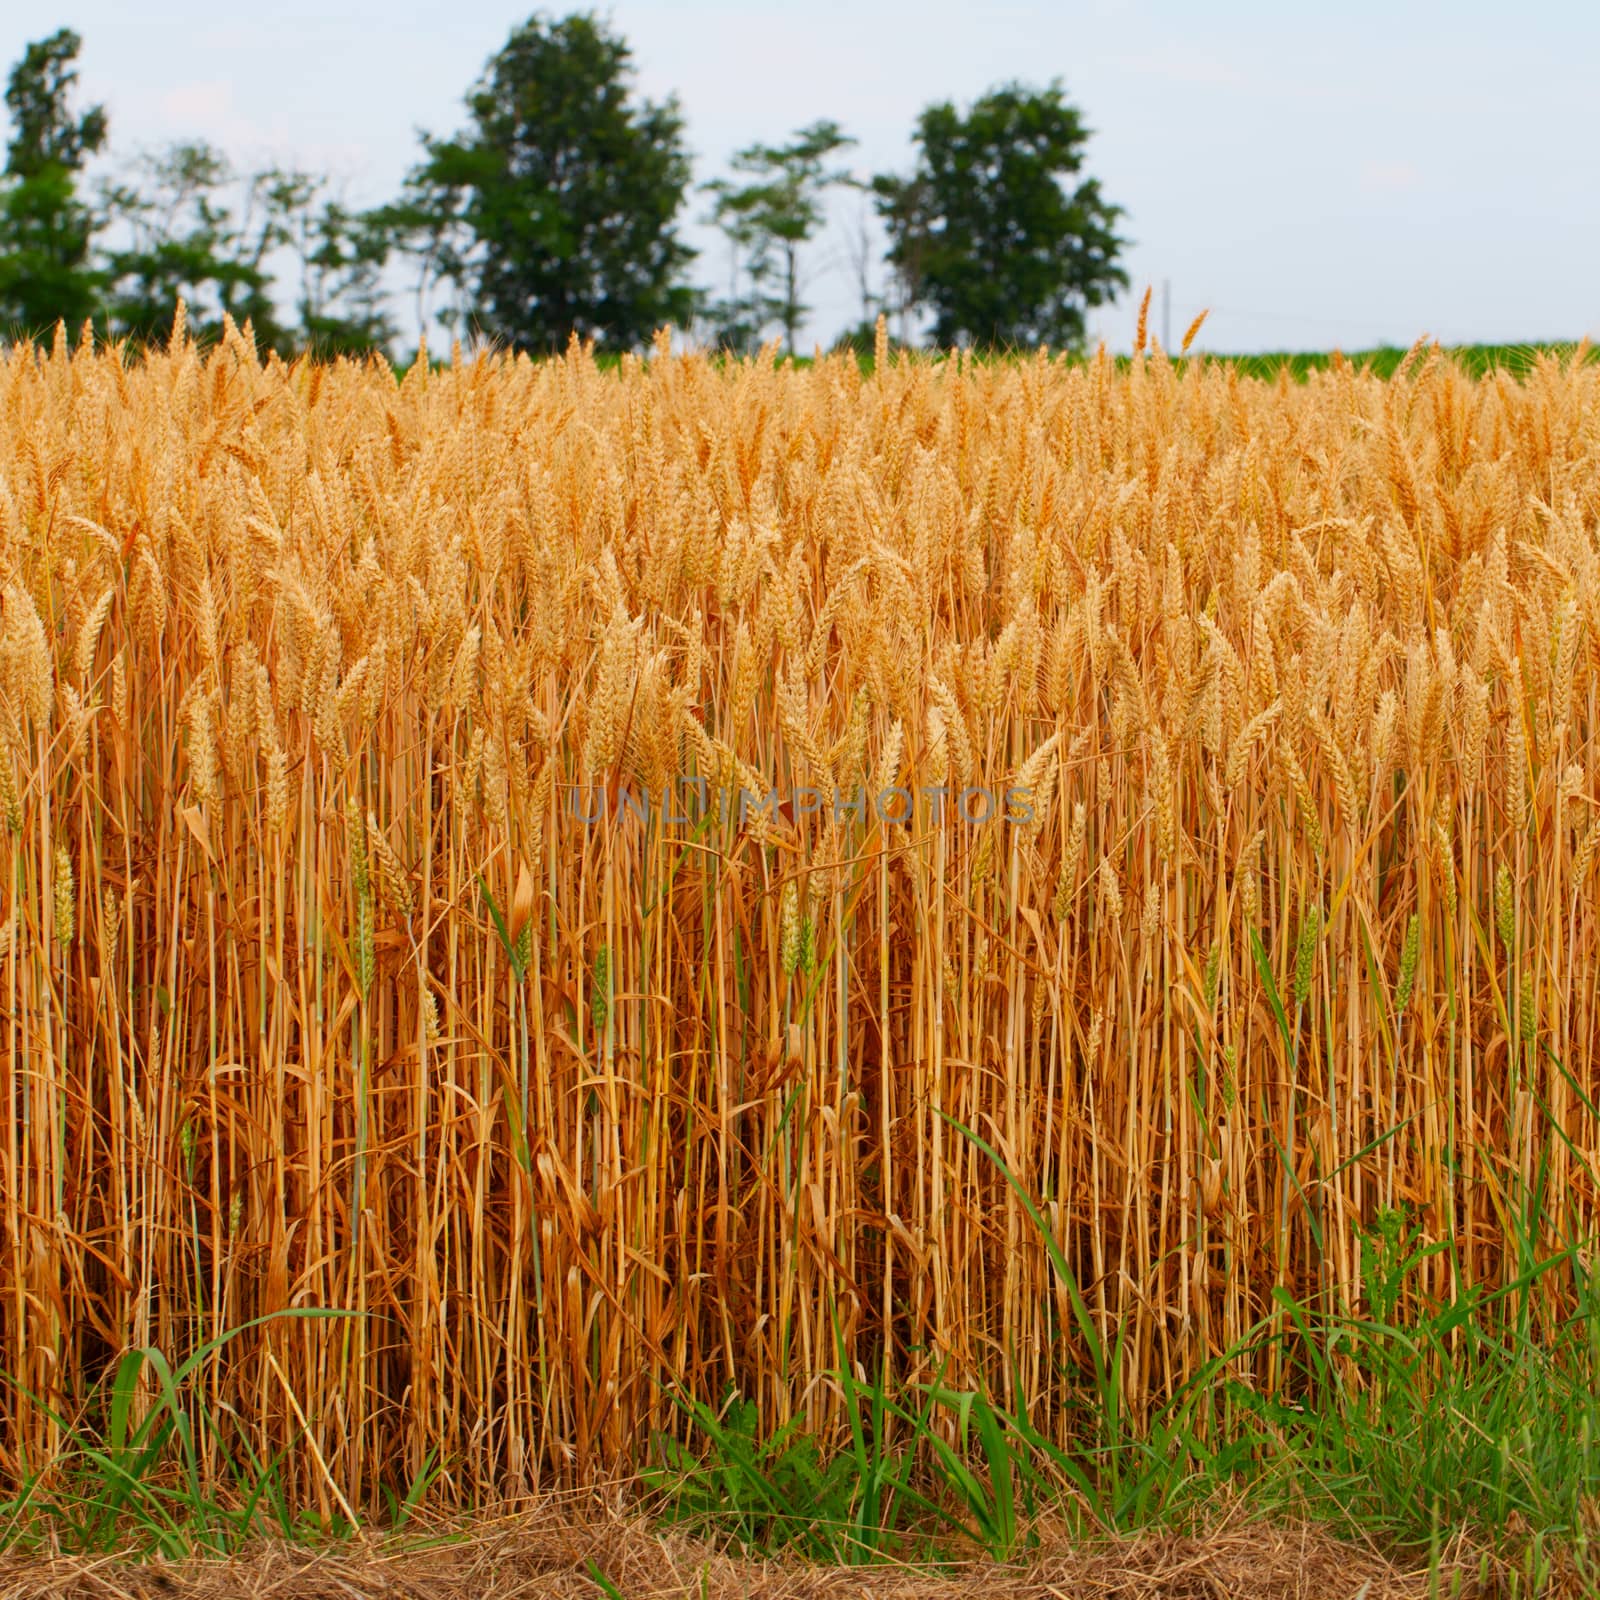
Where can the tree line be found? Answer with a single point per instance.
(555, 210)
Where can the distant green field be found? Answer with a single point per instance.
(1478, 359)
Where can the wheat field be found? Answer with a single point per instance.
(343, 966)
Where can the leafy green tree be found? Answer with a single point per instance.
(768, 221)
(185, 239)
(554, 213)
(996, 231)
(341, 255)
(45, 229)
(342, 309)
(903, 206)
(195, 229)
(427, 223)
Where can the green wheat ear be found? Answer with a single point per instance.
(1408, 962)
(599, 986)
(366, 947)
(1503, 916)
(1305, 956)
(789, 929)
(366, 955)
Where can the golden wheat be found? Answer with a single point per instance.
(320, 991)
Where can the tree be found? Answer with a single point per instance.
(186, 241)
(554, 213)
(45, 229)
(863, 252)
(427, 224)
(342, 255)
(903, 204)
(769, 220)
(995, 232)
(196, 229)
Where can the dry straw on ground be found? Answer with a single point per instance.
(316, 993)
(549, 1558)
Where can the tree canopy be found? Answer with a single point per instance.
(995, 231)
(46, 273)
(200, 231)
(768, 220)
(555, 211)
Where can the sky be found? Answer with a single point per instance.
(1315, 174)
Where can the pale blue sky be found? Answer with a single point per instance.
(1318, 174)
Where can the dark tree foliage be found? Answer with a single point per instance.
(995, 232)
(46, 274)
(554, 211)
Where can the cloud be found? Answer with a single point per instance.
(1389, 177)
